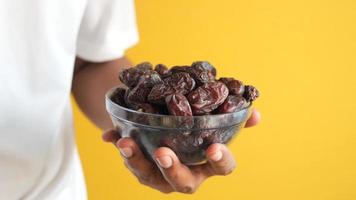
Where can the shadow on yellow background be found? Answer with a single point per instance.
(300, 54)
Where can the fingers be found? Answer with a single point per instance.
(176, 176)
(146, 172)
(181, 178)
(221, 161)
(110, 135)
(254, 119)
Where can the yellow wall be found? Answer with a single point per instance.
(300, 54)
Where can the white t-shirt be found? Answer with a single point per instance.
(39, 40)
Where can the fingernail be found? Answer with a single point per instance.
(126, 152)
(216, 156)
(165, 161)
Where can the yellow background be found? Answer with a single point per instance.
(301, 56)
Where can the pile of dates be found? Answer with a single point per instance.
(183, 91)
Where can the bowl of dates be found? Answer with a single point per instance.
(185, 108)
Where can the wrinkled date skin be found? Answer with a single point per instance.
(145, 66)
(178, 105)
(177, 83)
(226, 80)
(207, 97)
(162, 70)
(159, 93)
(251, 93)
(137, 95)
(205, 65)
(118, 96)
(202, 72)
(236, 87)
(150, 78)
(140, 92)
(177, 69)
(131, 76)
(181, 82)
(232, 103)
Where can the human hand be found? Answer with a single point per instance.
(169, 174)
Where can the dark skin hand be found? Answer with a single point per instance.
(167, 174)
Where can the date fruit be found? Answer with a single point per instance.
(159, 93)
(118, 97)
(232, 103)
(181, 82)
(236, 87)
(251, 93)
(144, 66)
(178, 105)
(177, 83)
(176, 69)
(140, 92)
(202, 72)
(131, 76)
(207, 97)
(162, 70)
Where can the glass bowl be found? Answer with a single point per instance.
(187, 136)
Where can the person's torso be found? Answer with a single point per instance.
(37, 52)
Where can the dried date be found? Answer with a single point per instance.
(177, 69)
(181, 82)
(205, 65)
(162, 70)
(177, 83)
(232, 103)
(141, 91)
(118, 96)
(226, 80)
(251, 93)
(137, 95)
(150, 78)
(207, 97)
(130, 76)
(236, 87)
(144, 66)
(202, 72)
(178, 105)
(159, 93)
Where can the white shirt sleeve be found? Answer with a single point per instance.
(108, 28)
